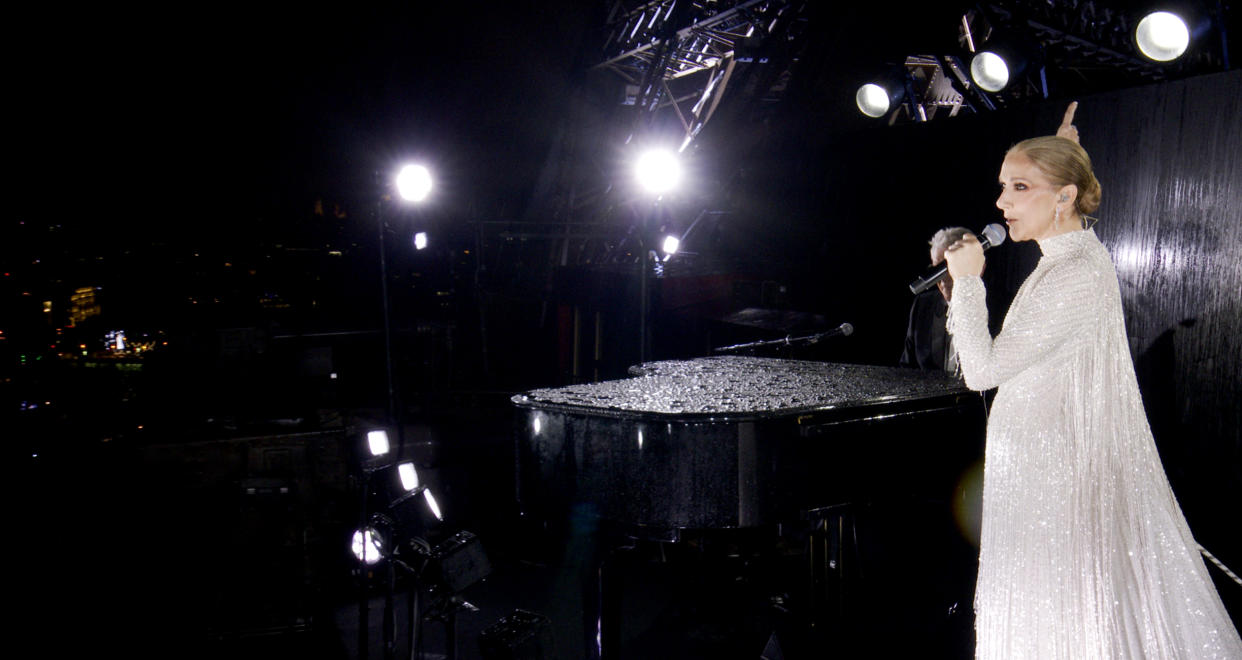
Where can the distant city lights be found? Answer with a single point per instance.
(115, 341)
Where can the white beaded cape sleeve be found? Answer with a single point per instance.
(1084, 552)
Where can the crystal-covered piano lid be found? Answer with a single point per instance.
(741, 441)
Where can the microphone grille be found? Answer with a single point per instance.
(846, 329)
(994, 234)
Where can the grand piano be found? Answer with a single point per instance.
(743, 443)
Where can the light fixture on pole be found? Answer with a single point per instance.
(404, 514)
(657, 172)
(413, 184)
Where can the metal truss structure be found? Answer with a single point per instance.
(683, 54)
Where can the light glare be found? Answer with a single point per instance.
(420, 240)
(872, 100)
(1162, 36)
(377, 441)
(658, 171)
(989, 71)
(414, 183)
(409, 476)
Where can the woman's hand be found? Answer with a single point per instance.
(965, 257)
(1067, 129)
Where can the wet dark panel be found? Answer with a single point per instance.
(1169, 159)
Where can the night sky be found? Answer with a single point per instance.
(183, 122)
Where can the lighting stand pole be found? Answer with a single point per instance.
(383, 260)
(390, 623)
(364, 596)
(644, 287)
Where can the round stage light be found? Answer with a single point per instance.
(414, 183)
(989, 71)
(658, 171)
(367, 545)
(420, 240)
(1162, 36)
(872, 100)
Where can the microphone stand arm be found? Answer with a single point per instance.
(788, 340)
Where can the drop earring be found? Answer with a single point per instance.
(1056, 218)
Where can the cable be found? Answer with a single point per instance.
(1225, 569)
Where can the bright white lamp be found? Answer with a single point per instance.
(989, 71)
(414, 183)
(1162, 36)
(872, 100)
(658, 171)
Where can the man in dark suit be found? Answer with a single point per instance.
(928, 345)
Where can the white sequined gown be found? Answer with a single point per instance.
(1084, 551)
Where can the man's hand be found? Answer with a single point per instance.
(1067, 129)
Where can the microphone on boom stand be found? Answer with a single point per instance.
(844, 330)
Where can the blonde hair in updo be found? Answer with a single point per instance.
(1064, 162)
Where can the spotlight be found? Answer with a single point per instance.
(408, 501)
(377, 442)
(879, 96)
(368, 545)
(658, 171)
(872, 100)
(432, 505)
(1162, 36)
(670, 245)
(408, 476)
(1001, 61)
(414, 183)
(989, 71)
(420, 240)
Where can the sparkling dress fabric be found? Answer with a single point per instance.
(1084, 551)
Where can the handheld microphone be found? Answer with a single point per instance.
(991, 236)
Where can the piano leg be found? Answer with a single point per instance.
(605, 615)
(832, 553)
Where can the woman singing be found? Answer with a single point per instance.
(1084, 552)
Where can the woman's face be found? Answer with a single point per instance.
(1028, 200)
